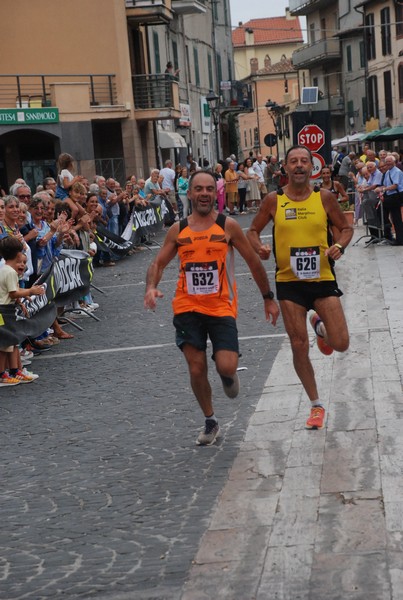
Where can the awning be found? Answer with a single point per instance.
(373, 135)
(347, 139)
(171, 139)
(394, 133)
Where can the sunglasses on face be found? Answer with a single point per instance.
(25, 196)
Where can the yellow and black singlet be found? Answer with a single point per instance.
(300, 239)
(206, 282)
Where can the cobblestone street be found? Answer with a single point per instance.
(105, 493)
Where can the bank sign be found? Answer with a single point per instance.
(28, 116)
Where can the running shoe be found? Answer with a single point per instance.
(210, 433)
(316, 418)
(314, 320)
(7, 380)
(231, 385)
(26, 354)
(24, 377)
(33, 375)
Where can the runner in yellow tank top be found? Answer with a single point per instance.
(305, 278)
(205, 301)
(301, 228)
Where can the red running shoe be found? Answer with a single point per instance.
(316, 418)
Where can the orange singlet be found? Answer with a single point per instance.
(206, 282)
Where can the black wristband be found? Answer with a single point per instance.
(268, 296)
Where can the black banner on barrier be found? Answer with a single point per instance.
(66, 280)
(109, 242)
(143, 222)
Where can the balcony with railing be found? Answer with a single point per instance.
(150, 12)
(188, 7)
(306, 7)
(320, 52)
(156, 97)
(235, 97)
(34, 91)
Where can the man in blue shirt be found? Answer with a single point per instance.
(392, 190)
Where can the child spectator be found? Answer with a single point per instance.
(11, 249)
(65, 178)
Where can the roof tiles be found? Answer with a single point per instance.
(273, 30)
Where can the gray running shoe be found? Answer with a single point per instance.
(210, 433)
(231, 386)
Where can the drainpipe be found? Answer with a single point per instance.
(157, 153)
(362, 12)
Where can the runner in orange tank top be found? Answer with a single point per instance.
(205, 303)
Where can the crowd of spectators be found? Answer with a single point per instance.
(65, 211)
(370, 182)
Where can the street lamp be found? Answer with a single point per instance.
(274, 111)
(213, 101)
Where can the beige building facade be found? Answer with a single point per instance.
(89, 78)
(262, 53)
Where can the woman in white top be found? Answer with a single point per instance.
(253, 193)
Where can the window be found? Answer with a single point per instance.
(364, 110)
(399, 19)
(349, 59)
(157, 57)
(312, 33)
(219, 68)
(226, 22)
(350, 108)
(373, 97)
(196, 66)
(250, 138)
(387, 87)
(210, 72)
(245, 139)
(370, 36)
(175, 54)
(229, 70)
(362, 55)
(385, 32)
(323, 28)
(256, 137)
(215, 9)
(400, 75)
(286, 126)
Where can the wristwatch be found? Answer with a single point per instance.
(340, 247)
(268, 296)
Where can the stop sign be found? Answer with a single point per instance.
(311, 136)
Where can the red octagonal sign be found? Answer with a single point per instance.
(311, 136)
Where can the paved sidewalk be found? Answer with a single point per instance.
(319, 514)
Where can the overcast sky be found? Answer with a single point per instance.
(244, 10)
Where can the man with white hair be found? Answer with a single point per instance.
(168, 182)
(259, 167)
(22, 191)
(392, 190)
(113, 204)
